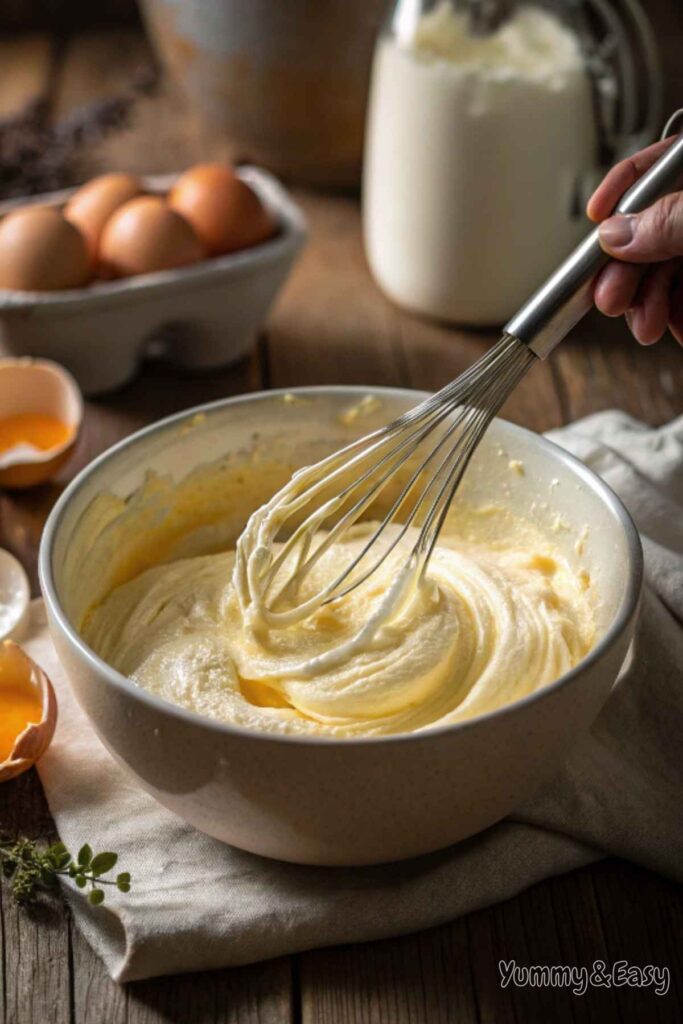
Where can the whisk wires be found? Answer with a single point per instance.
(422, 456)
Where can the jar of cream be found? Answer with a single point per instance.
(483, 143)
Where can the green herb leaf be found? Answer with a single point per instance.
(31, 868)
(58, 855)
(85, 855)
(102, 863)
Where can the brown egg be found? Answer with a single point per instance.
(144, 235)
(226, 213)
(92, 205)
(41, 251)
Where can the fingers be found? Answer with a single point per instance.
(653, 307)
(621, 177)
(651, 299)
(651, 236)
(616, 287)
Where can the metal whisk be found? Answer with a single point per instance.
(423, 454)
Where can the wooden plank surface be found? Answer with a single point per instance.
(35, 966)
(332, 325)
(258, 994)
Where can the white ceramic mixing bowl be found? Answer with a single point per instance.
(352, 801)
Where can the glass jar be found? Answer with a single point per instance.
(489, 123)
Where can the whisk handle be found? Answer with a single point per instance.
(567, 295)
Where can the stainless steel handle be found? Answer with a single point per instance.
(567, 295)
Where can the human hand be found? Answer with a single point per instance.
(645, 279)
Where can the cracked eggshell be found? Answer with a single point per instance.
(33, 741)
(45, 388)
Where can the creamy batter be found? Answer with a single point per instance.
(494, 621)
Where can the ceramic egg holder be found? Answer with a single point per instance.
(200, 316)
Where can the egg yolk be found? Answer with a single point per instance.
(20, 705)
(42, 432)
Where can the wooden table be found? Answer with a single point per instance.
(332, 326)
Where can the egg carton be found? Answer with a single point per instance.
(201, 316)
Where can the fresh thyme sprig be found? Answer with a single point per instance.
(32, 868)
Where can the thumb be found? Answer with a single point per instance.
(648, 237)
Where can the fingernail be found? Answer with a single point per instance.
(629, 317)
(617, 231)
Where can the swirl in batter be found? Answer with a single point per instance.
(492, 623)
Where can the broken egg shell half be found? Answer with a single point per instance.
(41, 387)
(33, 741)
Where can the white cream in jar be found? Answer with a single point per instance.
(479, 153)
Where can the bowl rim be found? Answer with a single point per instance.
(624, 615)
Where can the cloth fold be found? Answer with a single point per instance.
(196, 903)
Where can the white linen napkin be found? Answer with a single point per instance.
(196, 903)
